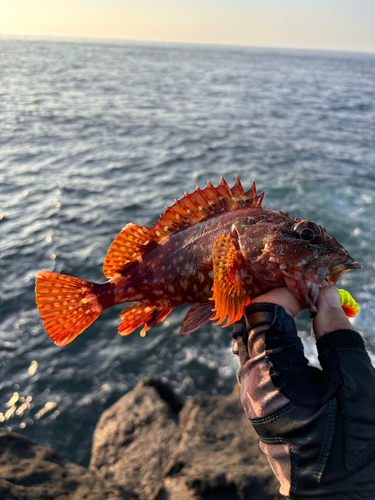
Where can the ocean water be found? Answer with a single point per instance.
(95, 135)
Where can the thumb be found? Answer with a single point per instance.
(330, 316)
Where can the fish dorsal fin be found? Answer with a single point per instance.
(129, 246)
(134, 241)
(195, 207)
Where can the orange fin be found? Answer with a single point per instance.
(228, 293)
(67, 305)
(134, 241)
(141, 314)
(129, 246)
(195, 207)
(196, 317)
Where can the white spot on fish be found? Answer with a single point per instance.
(184, 284)
(171, 288)
(201, 277)
(211, 274)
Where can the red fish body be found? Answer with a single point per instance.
(217, 248)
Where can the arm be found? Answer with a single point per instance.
(317, 427)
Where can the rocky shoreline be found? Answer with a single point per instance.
(148, 446)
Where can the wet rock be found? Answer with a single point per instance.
(148, 443)
(30, 471)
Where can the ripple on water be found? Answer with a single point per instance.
(96, 135)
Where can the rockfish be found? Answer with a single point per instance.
(215, 249)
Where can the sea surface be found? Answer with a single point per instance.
(94, 135)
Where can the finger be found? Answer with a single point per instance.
(330, 316)
(283, 297)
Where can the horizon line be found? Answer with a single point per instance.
(174, 42)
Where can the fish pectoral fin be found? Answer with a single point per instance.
(141, 314)
(196, 317)
(229, 294)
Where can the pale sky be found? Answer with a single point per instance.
(313, 24)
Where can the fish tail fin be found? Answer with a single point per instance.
(141, 314)
(67, 305)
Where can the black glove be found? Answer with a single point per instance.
(317, 427)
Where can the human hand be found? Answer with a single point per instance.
(300, 411)
(330, 316)
(283, 297)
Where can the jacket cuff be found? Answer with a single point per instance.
(340, 338)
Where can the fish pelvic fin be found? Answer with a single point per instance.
(196, 317)
(229, 294)
(141, 314)
(134, 241)
(67, 305)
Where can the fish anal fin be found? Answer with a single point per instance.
(196, 317)
(140, 314)
(229, 294)
(129, 246)
(67, 305)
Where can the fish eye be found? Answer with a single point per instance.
(307, 234)
(308, 231)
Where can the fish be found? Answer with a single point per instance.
(215, 249)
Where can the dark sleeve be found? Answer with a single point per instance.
(329, 421)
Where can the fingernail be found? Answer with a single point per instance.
(332, 297)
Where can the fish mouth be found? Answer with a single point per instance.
(322, 273)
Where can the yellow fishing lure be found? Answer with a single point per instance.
(349, 305)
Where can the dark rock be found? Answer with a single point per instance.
(30, 471)
(208, 450)
(134, 438)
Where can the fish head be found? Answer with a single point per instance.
(280, 250)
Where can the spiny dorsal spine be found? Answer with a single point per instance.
(134, 241)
